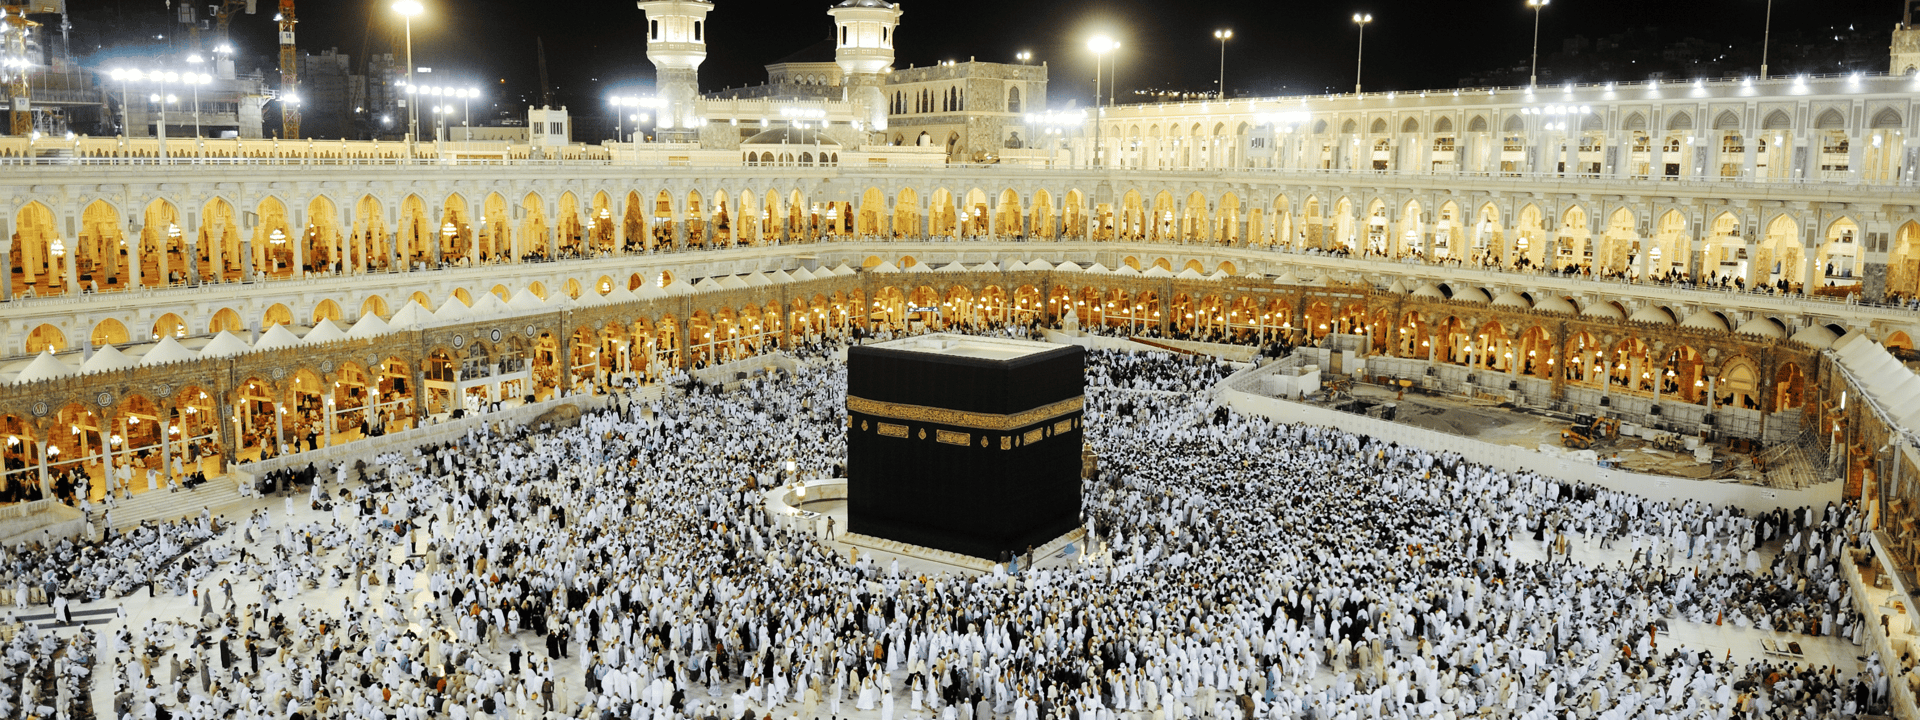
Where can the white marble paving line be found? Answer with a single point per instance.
(1743, 643)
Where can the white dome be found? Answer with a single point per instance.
(1705, 320)
(1652, 314)
(1817, 337)
(1603, 309)
(1762, 326)
(1556, 304)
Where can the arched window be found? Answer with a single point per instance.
(654, 29)
(698, 26)
(843, 36)
(1013, 100)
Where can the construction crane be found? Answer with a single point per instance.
(16, 63)
(289, 74)
(222, 15)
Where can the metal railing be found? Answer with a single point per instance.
(179, 159)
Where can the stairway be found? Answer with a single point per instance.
(216, 493)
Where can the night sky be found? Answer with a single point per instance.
(595, 47)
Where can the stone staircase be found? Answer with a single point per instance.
(216, 493)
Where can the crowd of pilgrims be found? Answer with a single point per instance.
(1236, 568)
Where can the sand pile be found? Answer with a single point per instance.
(1454, 421)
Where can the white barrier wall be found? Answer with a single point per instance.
(1510, 458)
(370, 448)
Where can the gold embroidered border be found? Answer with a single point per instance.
(958, 418)
(1063, 426)
(953, 438)
(1034, 436)
(892, 430)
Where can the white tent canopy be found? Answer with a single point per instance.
(44, 367)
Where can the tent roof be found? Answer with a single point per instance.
(370, 325)
(168, 350)
(107, 358)
(224, 345)
(526, 301)
(276, 337)
(324, 332)
(44, 367)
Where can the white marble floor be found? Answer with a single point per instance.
(104, 616)
(1743, 643)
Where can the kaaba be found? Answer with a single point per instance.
(965, 444)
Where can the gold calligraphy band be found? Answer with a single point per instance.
(959, 418)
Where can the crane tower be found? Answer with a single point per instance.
(289, 74)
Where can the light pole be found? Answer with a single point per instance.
(408, 9)
(439, 113)
(466, 112)
(126, 112)
(1023, 56)
(164, 78)
(196, 80)
(620, 103)
(1533, 74)
(1360, 19)
(1100, 45)
(1765, 40)
(1223, 36)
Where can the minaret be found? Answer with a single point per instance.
(1906, 42)
(864, 49)
(676, 44)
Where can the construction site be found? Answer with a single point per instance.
(1580, 432)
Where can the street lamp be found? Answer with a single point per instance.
(196, 80)
(1100, 45)
(466, 114)
(1223, 36)
(1533, 75)
(408, 9)
(126, 112)
(1023, 56)
(620, 115)
(1360, 55)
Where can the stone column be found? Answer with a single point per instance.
(216, 246)
(355, 245)
(46, 475)
(160, 258)
(6, 250)
(133, 259)
(166, 446)
(280, 428)
(246, 260)
(1870, 264)
(193, 261)
(1750, 157)
(474, 222)
(1856, 154)
(1800, 155)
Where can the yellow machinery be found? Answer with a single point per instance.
(1588, 430)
